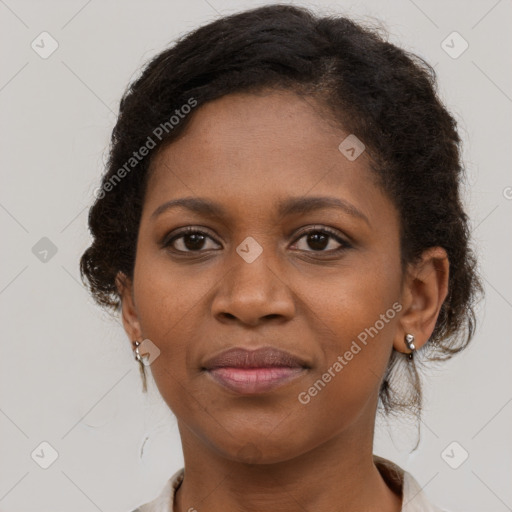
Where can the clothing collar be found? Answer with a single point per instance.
(400, 481)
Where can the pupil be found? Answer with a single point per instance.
(315, 242)
(197, 241)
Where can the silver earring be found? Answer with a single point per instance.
(138, 357)
(409, 341)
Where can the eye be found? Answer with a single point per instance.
(317, 238)
(188, 240)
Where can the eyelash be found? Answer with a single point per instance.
(167, 242)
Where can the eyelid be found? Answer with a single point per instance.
(335, 234)
(179, 232)
(331, 231)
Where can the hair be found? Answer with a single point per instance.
(370, 87)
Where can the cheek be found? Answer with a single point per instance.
(356, 317)
(353, 297)
(167, 294)
(168, 302)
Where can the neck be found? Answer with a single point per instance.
(338, 474)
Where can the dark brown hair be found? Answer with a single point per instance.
(372, 88)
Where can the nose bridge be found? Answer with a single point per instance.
(252, 288)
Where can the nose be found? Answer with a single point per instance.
(253, 293)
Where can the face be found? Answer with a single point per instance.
(268, 266)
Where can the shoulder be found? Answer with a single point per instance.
(165, 500)
(414, 498)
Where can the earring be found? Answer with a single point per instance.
(138, 357)
(409, 341)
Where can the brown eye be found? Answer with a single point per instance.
(190, 240)
(318, 240)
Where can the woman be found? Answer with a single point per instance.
(281, 227)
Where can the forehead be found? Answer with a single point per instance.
(251, 148)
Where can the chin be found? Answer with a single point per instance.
(258, 450)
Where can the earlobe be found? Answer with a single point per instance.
(128, 310)
(424, 291)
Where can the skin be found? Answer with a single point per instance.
(269, 451)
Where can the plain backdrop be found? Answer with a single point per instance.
(67, 376)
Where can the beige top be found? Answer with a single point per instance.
(413, 497)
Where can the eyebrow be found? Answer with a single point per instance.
(286, 207)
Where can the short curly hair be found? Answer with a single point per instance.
(370, 87)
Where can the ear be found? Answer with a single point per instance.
(129, 311)
(424, 291)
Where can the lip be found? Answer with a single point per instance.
(265, 357)
(254, 371)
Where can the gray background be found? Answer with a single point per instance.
(67, 375)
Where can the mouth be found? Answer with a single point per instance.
(254, 371)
